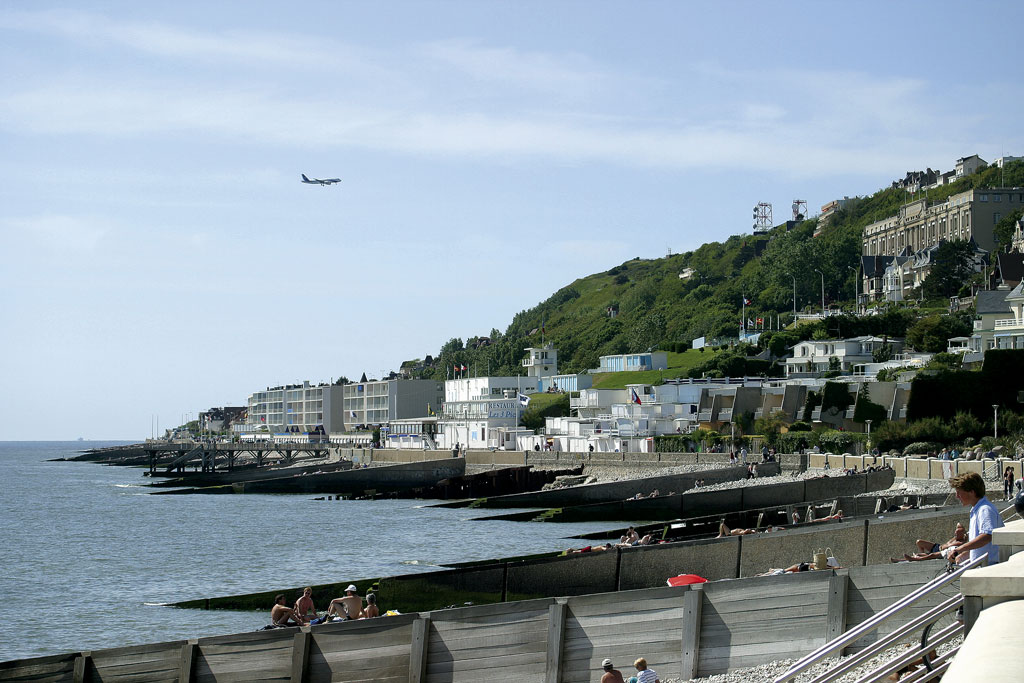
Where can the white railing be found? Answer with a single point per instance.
(1001, 324)
(929, 642)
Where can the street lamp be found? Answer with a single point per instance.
(995, 421)
(816, 270)
(868, 423)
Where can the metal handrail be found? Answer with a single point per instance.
(946, 635)
(837, 645)
(883, 643)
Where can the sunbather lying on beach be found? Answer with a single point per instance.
(928, 550)
(724, 531)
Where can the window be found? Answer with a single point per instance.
(996, 217)
(997, 197)
(983, 198)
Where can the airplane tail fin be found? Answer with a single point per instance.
(305, 178)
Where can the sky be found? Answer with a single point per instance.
(160, 256)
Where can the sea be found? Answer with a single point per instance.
(90, 558)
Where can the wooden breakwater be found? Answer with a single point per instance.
(356, 481)
(616, 491)
(683, 632)
(855, 543)
(694, 501)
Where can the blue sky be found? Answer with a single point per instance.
(161, 257)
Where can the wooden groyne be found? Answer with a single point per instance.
(356, 481)
(697, 502)
(686, 632)
(859, 542)
(617, 491)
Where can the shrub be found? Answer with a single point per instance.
(839, 442)
(922, 448)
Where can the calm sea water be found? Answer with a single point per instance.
(89, 555)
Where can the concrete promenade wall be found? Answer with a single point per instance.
(920, 468)
(690, 631)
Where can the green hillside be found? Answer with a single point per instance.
(656, 309)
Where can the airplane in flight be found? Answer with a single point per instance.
(318, 181)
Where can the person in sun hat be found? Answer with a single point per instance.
(611, 675)
(351, 603)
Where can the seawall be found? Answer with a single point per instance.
(855, 543)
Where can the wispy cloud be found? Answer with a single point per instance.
(564, 74)
(467, 99)
(237, 46)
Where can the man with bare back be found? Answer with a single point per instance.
(283, 616)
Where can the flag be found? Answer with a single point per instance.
(746, 301)
(760, 322)
(463, 368)
(524, 400)
(750, 323)
(351, 413)
(263, 419)
(635, 398)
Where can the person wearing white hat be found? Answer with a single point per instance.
(610, 675)
(351, 603)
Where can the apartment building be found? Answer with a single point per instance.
(380, 401)
(298, 408)
(963, 216)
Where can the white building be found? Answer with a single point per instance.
(628, 362)
(476, 406)
(813, 358)
(542, 368)
(541, 362)
(969, 165)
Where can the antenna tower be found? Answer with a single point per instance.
(799, 209)
(763, 218)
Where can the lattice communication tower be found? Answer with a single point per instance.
(763, 218)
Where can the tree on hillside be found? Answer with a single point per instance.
(1004, 229)
(952, 265)
(933, 333)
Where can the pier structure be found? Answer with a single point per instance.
(175, 456)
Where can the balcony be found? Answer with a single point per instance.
(1008, 324)
(704, 416)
